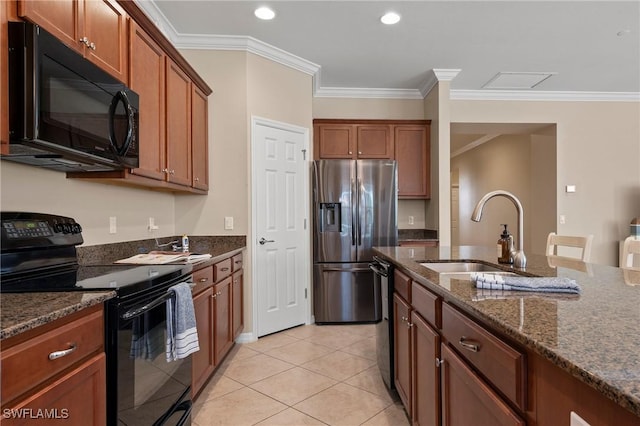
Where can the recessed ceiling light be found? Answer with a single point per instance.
(264, 13)
(390, 18)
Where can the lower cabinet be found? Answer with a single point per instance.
(217, 302)
(57, 370)
(426, 378)
(468, 400)
(402, 350)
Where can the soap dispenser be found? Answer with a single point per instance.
(505, 246)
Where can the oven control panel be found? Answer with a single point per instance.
(23, 229)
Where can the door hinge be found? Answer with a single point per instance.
(305, 293)
(305, 224)
(304, 154)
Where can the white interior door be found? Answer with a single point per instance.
(281, 238)
(455, 216)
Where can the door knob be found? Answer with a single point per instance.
(263, 241)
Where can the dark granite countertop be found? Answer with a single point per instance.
(593, 336)
(20, 312)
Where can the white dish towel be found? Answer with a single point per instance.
(541, 284)
(182, 335)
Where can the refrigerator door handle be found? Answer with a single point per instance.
(354, 208)
(367, 269)
(362, 209)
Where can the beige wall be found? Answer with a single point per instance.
(598, 150)
(244, 85)
(28, 188)
(512, 163)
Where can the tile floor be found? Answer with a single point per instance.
(308, 375)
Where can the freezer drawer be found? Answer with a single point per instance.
(344, 293)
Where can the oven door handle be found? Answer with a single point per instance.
(155, 302)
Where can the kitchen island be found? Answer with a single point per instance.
(592, 337)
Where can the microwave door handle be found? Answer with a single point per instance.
(121, 96)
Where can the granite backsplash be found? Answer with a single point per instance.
(417, 234)
(109, 253)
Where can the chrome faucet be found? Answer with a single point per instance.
(519, 258)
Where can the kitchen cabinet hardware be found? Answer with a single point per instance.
(468, 346)
(59, 354)
(203, 280)
(439, 362)
(226, 268)
(92, 46)
(85, 41)
(262, 241)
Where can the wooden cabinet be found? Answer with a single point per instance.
(4, 80)
(426, 378)
(412, 152)
(58, 366)
(468, 400)
(406, 141)
(402, 350)
(178, 99)
(147, 79)
(97, 29)
(199, 141)
(217, 302)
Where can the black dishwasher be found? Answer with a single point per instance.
(383, 278)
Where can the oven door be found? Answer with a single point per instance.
(143, 387)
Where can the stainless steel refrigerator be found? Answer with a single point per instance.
(355, 209)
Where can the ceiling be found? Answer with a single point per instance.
(592, 48)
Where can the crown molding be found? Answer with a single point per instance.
(152, 11)
(354, 92)
(443, 74)
(529, 95)
(247, 44)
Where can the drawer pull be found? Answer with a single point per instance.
(60, 354)
(224, 269)
(203, 280)
(469, 346)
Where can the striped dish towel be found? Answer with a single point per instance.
(519, 283)
(182, 335)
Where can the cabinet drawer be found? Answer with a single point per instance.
(402, 285)
(202, 278)
(501, 364)
(221, 270)
(236, 262)
(28, 364)
(427, 304)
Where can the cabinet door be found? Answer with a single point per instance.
(4, 81)
(334, 141)
(178, 97)
(402, 350)
(467, 400)
(78, 398)
(202, 361)
(223, 334)
(413, 157)
(199, 141)
(426, 373)
(147, 77)
(237, 310)
(62, 18)
(374, 141)
(105, 25)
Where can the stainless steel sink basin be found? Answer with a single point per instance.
(463, 268)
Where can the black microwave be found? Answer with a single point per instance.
(65, 113)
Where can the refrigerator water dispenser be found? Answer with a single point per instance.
(330, 217)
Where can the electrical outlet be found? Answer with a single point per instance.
(228, 222)
(151, 226)
(563, 219)
(410, 220)
(112, 225)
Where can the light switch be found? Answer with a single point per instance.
(410, 220)
(563, 219)
(112, 225)
(571, 188)
(228, 222)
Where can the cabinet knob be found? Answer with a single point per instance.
(92, 46)
(350, 152)
(203, 280)
(359, 152)
(172, 172)
(197, 179)
(84, 41)
(165, 170)
(214, 295)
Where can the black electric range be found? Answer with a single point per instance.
(39, 254)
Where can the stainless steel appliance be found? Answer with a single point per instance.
(65, 113)
(39, 254)
(383, 278)
(355, 203)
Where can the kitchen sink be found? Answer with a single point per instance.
(463, 268)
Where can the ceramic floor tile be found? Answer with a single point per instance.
(339, 365)
(218, 385)
(342, 404)
(391, 416)
(256, 368)
(364, 330)
(290, 417)
(293, 386)
(299, 352)
(272, 341)
(242, 407)
(371, 381)
(335, 339)
(365, 348)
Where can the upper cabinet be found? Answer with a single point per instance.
(97, 29)
(178, 125)
(199, 142)
(406, 141)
